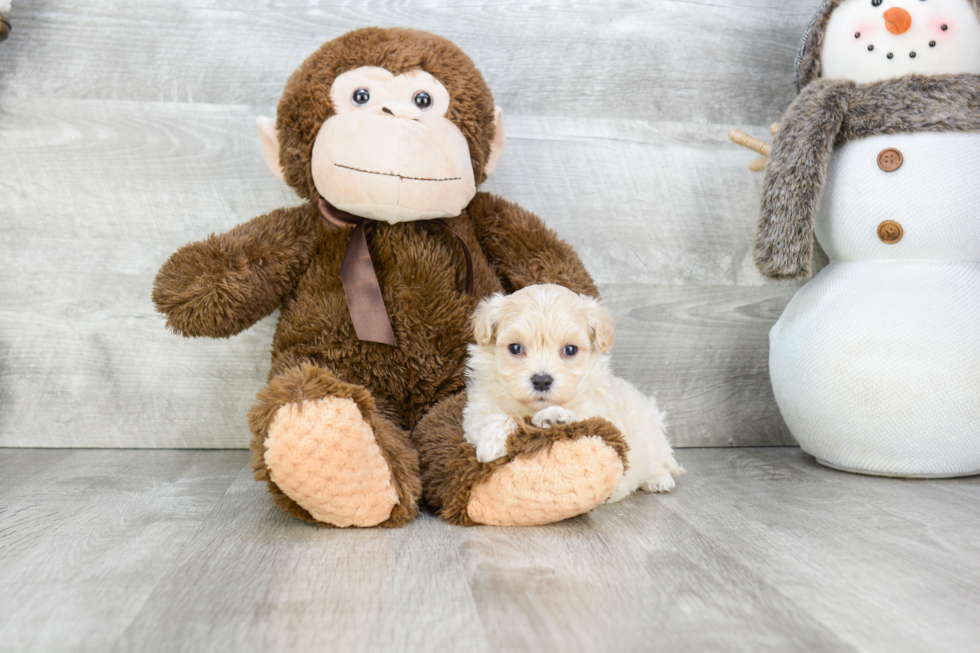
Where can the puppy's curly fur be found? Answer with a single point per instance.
(542, 354)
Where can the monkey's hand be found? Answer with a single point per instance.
(222, 285)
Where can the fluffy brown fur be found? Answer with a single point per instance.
(290, 259)
(450, 469)
(827, 114)
(222, 285)
(808, 57)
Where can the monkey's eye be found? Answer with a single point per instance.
(361, 97)
(570, 350)
(515, 349)
(875, 3)
(422, 100)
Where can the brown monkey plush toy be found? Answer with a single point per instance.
(386, 133)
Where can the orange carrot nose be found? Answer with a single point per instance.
(897, 20)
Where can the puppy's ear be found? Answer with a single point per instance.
(601, 326)
(486, 318)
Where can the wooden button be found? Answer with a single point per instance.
(890, 160)
(890, 232)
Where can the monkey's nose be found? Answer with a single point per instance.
(401, 110)
(541, 382)
(897, 20)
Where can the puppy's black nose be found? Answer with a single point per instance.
(541, 382)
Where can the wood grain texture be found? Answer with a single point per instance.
(719, 62)
(128, 130)
(758, 549)
(85, 536)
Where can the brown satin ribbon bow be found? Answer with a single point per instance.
(364, 300)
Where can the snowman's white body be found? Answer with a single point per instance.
(875, 363)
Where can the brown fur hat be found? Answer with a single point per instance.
(306, 105)
(808, 56)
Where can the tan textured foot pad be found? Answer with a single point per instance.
(323, 455)
(545, 487)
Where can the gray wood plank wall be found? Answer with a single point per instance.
(127, 129)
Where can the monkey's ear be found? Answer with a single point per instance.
(497, 147)
(270, 144)
(601, 325)
(487, 318)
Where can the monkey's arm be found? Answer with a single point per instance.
(522, 250)
(795, 177)
(222, 285)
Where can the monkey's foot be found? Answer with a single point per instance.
(547, 475)
(324, 456)
(569, 479)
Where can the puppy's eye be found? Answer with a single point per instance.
(570, 350)
(515, 349)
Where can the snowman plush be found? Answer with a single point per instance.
(875, 363)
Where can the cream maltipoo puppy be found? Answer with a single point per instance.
(542, 352)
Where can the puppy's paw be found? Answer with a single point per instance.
(662, 478)
(658, 482)
(552, 415)
(493, 437)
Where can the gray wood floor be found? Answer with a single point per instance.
(757, 550)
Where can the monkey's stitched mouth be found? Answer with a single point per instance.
(394, 174)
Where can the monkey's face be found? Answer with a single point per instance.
(389, 152)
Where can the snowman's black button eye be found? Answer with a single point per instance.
(870, 48)
(361, 96)
(422, 100)
(875, 3)
(912, 55)
(944, 27)
(857, 35)
(932, 44)
(891, 56)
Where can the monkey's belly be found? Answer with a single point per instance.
(876, 367)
